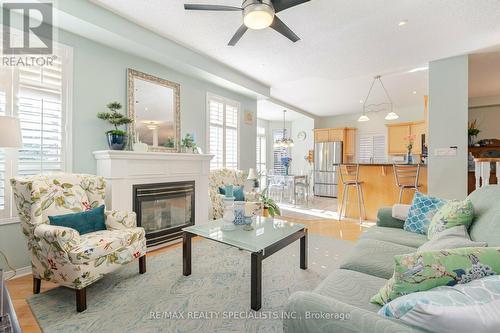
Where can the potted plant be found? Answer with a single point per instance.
(270, 206)
(472, 132)
(188, 143)
(117, 139)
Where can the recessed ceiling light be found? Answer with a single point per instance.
(403, 22)
(414, 92)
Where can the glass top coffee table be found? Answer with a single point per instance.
(268, 236)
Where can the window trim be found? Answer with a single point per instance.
(9, 215)
(211, 96)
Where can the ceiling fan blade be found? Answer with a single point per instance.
(237, 36)
(212, 7)
(280, 5)
(282, 28)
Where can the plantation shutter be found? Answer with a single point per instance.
(223, 117)
(3, 105)
(261, 150)
(372, 149)
(41, 117)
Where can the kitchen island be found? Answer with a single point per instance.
(379, 188)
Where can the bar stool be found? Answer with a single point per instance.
(406, 176)
(349, 176)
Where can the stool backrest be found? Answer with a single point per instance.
(406, 174)
(349, 173)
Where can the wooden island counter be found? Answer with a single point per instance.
(379, 188)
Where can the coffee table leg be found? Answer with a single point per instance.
(186, 253)
(303, 251)
(256, 277)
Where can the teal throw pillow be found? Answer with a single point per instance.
(238, 193)
(83, 222)
(421, 212)
(451, 214)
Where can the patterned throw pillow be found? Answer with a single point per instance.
(451, 214)
(422, 271)
(421, 213)
(470, 307)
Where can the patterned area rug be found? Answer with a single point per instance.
(215, 298)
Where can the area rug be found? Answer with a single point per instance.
(215, 298)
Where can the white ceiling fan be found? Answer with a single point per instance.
(257, 14)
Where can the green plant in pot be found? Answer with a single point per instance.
(270, 206)
(188, 143)
(473, 131)
(117, 139)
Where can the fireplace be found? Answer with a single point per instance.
(163, 209)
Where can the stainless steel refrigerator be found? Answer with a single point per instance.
(327, 155)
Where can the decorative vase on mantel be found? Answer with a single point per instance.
(472, 140)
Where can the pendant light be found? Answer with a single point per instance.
(375, 107)
(284, 141)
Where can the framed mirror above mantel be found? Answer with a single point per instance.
(154, 107)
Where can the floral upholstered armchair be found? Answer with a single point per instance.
(63, 256)
(220, 178)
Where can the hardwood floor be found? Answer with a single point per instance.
(21, 288)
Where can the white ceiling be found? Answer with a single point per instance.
(344, 44)
(268, 110)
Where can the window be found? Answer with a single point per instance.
(261, 150)
(279, 152)
(38, 96)
(372, 149)
(223, 132)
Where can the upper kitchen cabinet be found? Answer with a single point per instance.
(396, 137)
(336, 134)
(398, 134)
(417, 129)
(321, 135)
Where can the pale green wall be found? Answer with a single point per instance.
(448, 116)
(99, 76)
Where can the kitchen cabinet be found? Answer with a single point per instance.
(417, 129)
(321, 135)
(397, 137)
(344, 134)
(336, 134)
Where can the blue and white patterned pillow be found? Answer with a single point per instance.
(421, 212)
(469, 307)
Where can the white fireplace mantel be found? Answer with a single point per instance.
(123, 169)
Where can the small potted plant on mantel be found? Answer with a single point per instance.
(270, 206)
(117, 139)
(472, 132)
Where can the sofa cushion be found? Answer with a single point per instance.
(352, 288)
(422, 271)
(452, 214)
(486, 224)
(423, 208)
(394, 235)
(452, 238)
(374, 257)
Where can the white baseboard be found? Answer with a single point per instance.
(19, 272)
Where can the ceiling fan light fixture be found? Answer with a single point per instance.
(258, 15)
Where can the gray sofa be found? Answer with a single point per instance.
(341, 303)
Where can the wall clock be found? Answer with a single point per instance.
(301, 136)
